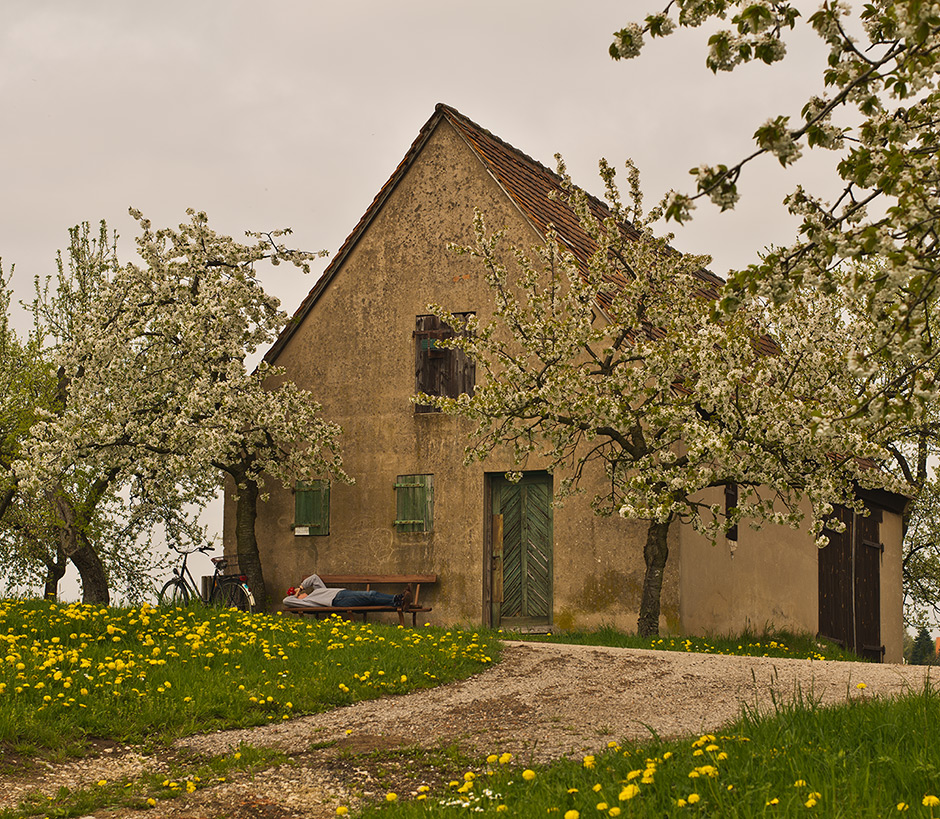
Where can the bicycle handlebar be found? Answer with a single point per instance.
(207, 548)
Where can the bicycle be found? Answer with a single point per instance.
(225, 591)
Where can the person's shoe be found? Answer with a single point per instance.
(407, 597)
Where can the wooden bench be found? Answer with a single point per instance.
(368, 580)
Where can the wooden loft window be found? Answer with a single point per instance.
(439, 370)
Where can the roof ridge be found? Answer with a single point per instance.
(450, 111)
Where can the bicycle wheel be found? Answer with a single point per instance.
(232, 594)
(174, 593)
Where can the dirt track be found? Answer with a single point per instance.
(541, 702)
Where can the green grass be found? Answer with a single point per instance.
(73, 673)
(866, 758)
(69, 673)
(768, 644)
(146, 790)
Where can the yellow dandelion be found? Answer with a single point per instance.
(528, 775)
(628, 792)
(930, 801)
(572, 814)
(342, 810)
(391, 797)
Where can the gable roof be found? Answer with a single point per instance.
(533, 188)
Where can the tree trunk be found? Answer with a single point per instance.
(655, 555)
(74, 543)
(55, 571)
(92, 572)
(246, 544)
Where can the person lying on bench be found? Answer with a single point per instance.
(313, 592)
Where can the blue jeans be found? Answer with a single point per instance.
(348, 597)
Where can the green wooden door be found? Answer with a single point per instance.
(522, 565)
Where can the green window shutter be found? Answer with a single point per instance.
(312, 508)
(414, 503)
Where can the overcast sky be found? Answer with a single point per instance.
(295, 112)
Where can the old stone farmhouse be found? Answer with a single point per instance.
(363, 342)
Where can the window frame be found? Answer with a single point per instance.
(312, 501)
(414, 504)
(440, 371)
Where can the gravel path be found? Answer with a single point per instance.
(543, 701)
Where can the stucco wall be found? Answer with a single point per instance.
(892, 595)
(355, 352)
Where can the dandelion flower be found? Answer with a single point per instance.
(903, 806)
(151, 801)
(629, 792)
(528, 775)
(391, 797)
(930, 801)
(342, 810)
(693, 798)
(571, 814)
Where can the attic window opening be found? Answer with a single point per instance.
(440, 370)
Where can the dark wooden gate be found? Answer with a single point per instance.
(521, 585)
(850, 585)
